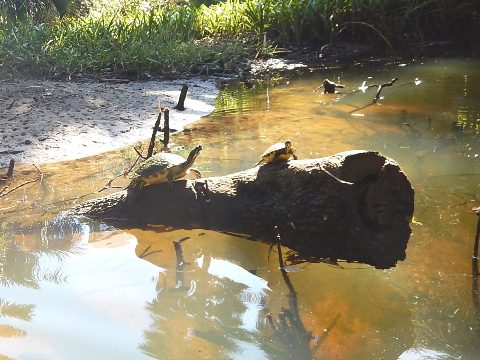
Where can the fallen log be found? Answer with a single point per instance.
(354, 205)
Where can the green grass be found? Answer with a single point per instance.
(169, 37)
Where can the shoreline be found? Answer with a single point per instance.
(45, 121)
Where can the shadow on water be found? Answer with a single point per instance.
(177, 293)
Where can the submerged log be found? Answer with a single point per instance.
(354, 206)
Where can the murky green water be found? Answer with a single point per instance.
(73, 289)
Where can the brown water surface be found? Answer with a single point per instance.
(77, 289)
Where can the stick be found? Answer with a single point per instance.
(180, 278)
(4, 191)
(477, 235)
(154, 135)
(10, 168)
(166, 127)
(125, 173)
(181, 101)
(377, 95)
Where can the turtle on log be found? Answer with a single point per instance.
(164, 168)
(277, 152)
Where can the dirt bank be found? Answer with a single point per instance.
(48, 121)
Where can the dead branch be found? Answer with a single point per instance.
(476, 210)
(380, 88)
(154, 134)
(358, 214)
(108, 185)
(181, 100)
(166, 127)
(377, 95)
(5, 192)
(9, 173)
(10, 168)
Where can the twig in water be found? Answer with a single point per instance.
(5, 188)
(108, 185)
(380, 88)
(475, 271)
(477, 235)
(5, 192)
(377, 95)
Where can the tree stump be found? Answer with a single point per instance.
(354, 205)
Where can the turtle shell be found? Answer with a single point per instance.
(159, 164)
(278, 151)
(274, 149)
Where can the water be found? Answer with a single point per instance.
(76, 289)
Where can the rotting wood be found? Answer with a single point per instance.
(361, 213)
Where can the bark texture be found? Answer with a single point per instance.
(353, 205)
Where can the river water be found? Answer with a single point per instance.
(78, 289)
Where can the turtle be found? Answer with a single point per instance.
(278, 152)
(329, 86)
(164, 168)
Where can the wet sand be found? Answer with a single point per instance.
(48, 121)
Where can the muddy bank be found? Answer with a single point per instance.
(47, 121)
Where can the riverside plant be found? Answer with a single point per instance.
(152, 40)
(176, 36)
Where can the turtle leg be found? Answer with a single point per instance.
(196, 172)
(170, 180)
(135, 184)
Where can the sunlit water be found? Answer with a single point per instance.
(76, 289)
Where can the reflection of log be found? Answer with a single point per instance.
(315, 214)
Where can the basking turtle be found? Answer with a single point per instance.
(164, 167)
(278, 152)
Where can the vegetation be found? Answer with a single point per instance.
(167, 36)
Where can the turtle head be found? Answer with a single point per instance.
(194, 153)
(288, 145)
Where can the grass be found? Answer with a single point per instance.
(169, 37)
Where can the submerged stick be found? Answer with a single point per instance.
(5, 190)
(181, 100)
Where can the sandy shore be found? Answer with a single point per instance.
(49, 121)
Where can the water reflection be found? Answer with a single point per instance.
(72, 288)
(224, 306)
